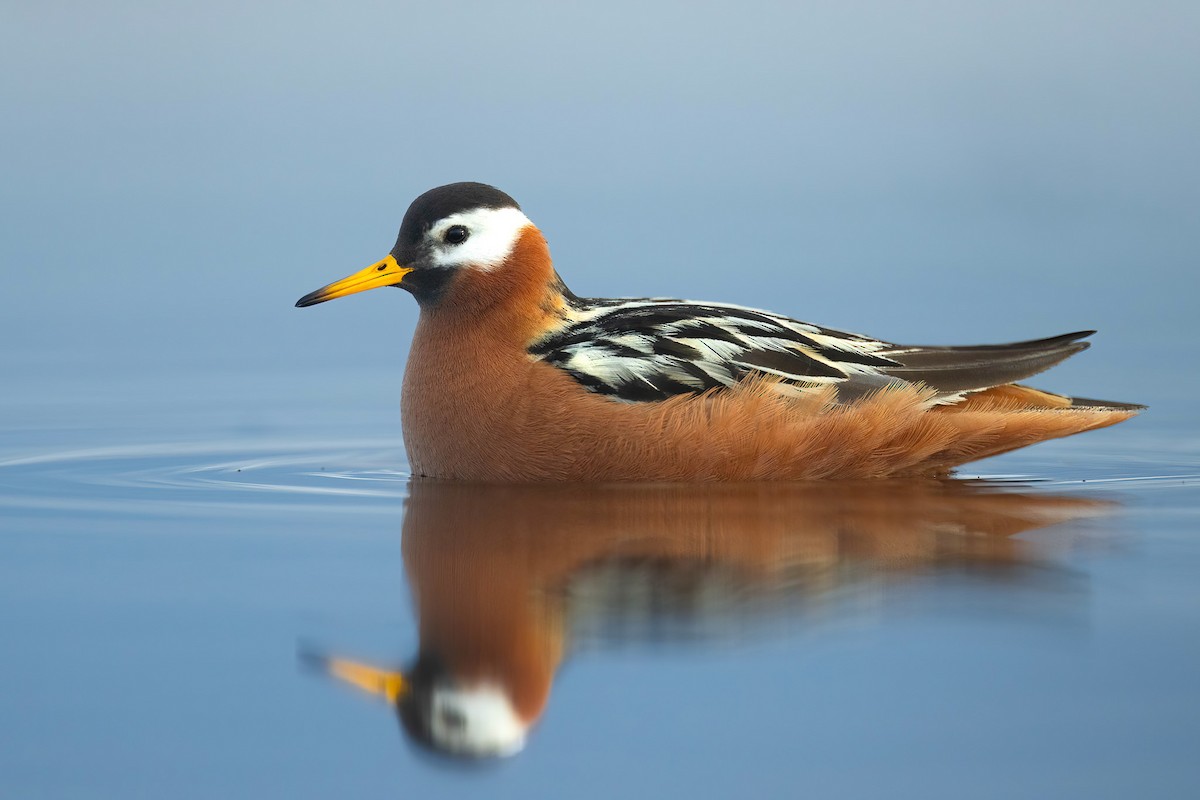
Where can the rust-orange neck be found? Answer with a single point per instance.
(512, 302)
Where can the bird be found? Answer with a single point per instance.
(513, 378)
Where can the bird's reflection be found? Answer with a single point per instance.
(506, 578)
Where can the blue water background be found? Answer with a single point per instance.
(177, 175)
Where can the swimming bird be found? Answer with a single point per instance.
(511, 377)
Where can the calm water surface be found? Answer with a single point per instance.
(216, 609)
(215, 573)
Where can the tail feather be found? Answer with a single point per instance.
(1024, 415)
(1114, 405)
(1017, 397)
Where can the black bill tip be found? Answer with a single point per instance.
(311, 299)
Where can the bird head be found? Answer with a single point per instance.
(456, 717)
(446, 232)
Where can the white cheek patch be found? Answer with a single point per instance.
(476, 721)
(492, 234)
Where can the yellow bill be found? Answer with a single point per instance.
(382, 273)
(390, 685)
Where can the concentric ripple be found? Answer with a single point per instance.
(222, 476)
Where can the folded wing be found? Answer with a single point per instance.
(652, 349)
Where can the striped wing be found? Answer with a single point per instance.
(646, 350)
(641, 350)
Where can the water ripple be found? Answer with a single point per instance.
(220, 476)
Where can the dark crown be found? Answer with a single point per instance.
(445, 200)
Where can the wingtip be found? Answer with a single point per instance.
(1063, 339)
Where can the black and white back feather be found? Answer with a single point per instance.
(652, 349)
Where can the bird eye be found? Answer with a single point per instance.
(456, 234)
(453, 719)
